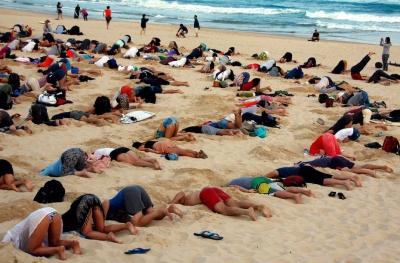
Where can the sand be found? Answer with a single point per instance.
(362, 228)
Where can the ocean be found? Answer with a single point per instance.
(345, 20)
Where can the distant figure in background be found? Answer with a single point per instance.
(385, 53)
(107, 15)
(46, 27)
(315, 36)
(196, 26)
(59, 11)
(77, 11)
(143, 23)
(182, 31)
(84, 13)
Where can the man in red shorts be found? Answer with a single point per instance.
(220, 202)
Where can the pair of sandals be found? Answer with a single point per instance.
(340, 195)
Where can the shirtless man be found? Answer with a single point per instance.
(220, 202)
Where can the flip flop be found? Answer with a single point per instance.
(332, 194)
(341, 196)
(208, 235)
(320, 121)
(138, 250)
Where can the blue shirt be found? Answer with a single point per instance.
(54, 169)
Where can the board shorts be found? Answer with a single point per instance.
(116, 152)
(166, 123)
(108, 19)
(210, 130)
(210, 196)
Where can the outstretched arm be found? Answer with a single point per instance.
(179, 198)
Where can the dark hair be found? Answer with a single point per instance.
(378, 65)
(137, 145)
(322, 98)
(143, 15)
(313, 80)
(231, 75)
(214, 55)
(256, 81)
(108, 7)
(14, 81)
(387, 40)
(102, 105)
(181, 25)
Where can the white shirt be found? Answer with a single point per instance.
(131, 53)
(323, 83)
(103, 152)
(344, 133)
(29, 47)
(178, 63)
(268, 64)
(101, 61)
(20, 233)
(224, 75)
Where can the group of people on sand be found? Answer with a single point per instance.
(40, 232)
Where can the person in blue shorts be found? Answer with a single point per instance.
(169, 129)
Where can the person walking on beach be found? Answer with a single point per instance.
(385, 53)
(143, 23)
(107, 15)
(84, 13)
(59, 11)
(77, 11)
(196, 26)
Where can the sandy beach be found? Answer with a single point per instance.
(362, 228)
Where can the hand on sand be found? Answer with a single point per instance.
(172, 209)
(132, 229)
(111, 237)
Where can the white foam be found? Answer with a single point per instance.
(160, 4)
(356, 27)
(353, 17)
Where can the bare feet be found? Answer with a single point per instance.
(76, 249)
(61, 253)
(252, 214)
(264, 211)
(298, 199)
(172, 209)
(348, 185)
(356, 180)
(156, 165)
(132, 229)
(202, 155)
(29, 185)
(111, 237)
(388, 169)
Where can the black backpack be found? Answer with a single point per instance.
(52, 191)
(75, 30)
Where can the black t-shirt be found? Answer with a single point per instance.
(143, 22)
(196, 23)
(5, 167)
(5, 119)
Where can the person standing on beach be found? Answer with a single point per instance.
(107, 15)
(84, 14)
(77, 10)
(196, 26)
(143, 23)
(59, 11)
(385, 53)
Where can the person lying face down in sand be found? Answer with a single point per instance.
(86, 215)
(73, 161)
(169, 128)
(124, 155)
(328, 144)
(313, 176)
(360, 116)
(9, 182)
(226, 126)
(343, 164)
(166, 147)
(263, 185)
(220, 202)
(133, 204)
(30, 235)
(12, 124)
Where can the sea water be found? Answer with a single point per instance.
(346, 20)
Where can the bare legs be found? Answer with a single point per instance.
(102, 231)
(133, 159)
(294, 193)
(151, 214)
(186, 152)
(236, 208)
(52, 228)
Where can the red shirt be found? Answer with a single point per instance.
(107, 12)
(247, 86)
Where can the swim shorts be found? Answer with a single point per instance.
(210, 196)
(114, 154)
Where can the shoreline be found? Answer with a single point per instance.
(265, 34)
